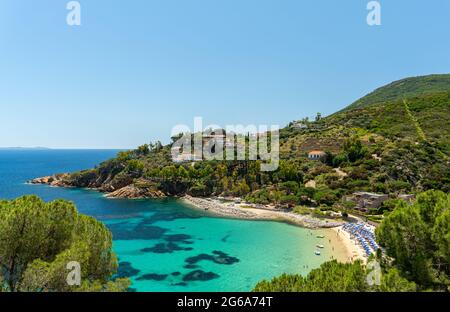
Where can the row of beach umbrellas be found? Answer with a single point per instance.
(364, 235)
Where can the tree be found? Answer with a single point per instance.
(325, 196)
(289, 171)
(392, 281)
(354, 149)
(417, 237)
(318, 116)
(39, 239)
(143, 150)
(135, 166)
(331, 276)
(156, 147)
(182, 173)
(241, 188)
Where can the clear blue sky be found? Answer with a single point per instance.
(134, 69)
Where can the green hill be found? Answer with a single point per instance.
(420, 118)
(403, 89)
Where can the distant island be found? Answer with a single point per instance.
(25, 148)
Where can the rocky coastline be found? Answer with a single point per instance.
(137, 190)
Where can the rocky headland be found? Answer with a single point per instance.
(138, 189)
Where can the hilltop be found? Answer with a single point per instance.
(404, 89)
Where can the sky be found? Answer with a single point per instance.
(134, 69)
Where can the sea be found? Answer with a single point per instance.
(164, 244)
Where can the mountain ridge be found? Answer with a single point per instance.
(403, 89)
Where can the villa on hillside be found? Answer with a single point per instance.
(316, 154)
(299, 125)
(366, 200)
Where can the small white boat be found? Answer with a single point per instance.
(317, 253)
(319, 246)
(320, 236)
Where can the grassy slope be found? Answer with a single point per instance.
(413, 119)
(403, 89)
(418, 118)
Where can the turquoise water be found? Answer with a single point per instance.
(164, 245)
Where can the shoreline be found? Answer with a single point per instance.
(219, 208)
(344, 249)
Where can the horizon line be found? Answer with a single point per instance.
(60, 148)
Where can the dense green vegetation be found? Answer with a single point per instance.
(333, 276)
(330, 277)
(396, 121)
(405, 88)
(417, 238)
(416, 242)
(39, 239)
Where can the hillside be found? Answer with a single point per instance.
(404, 89)
(424, 117)
(397, 147)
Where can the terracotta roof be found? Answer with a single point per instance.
(316, 152)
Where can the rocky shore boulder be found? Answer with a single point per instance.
(134, 192)
(53, 180)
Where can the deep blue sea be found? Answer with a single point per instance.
(164, 245)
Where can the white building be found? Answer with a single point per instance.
(315, 155)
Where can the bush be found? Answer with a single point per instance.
(289, 199)
(354, 149)
(325, 196)
(302, 210)
(134, 166)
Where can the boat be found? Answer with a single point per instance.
(317, 253)
(320, 236)
(319, 246)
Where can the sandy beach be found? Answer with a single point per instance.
(343, 248)
(353, 250)
(247, 211)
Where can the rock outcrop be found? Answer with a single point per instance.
(134, 192)
(53, 180)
